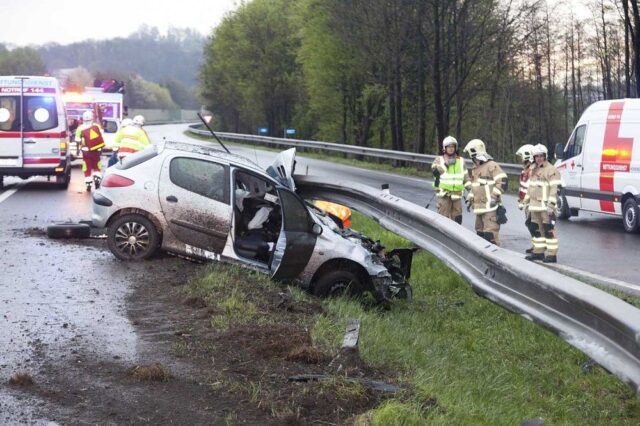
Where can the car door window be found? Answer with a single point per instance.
(202, 177)
(40, 113)
(296, 216)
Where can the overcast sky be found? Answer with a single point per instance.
(29, 22)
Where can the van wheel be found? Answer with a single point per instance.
(563, 207)
(630, 215)
(63, 181)
(132, 237)
(337, 283)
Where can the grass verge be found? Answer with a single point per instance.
(478, 362)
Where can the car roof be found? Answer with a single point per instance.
(204, 148)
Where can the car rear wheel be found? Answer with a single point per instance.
(630, 216)
(337, 283)
(132, 237)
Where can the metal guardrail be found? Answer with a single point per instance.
(512, 169)
(602, 326)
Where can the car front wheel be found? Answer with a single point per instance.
(132, 237)
(630, 215)
(337, 283)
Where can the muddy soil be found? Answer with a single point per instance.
(238, 375)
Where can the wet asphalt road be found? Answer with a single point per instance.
(58, 298)
(592, 242)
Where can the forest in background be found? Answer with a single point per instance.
(160, 70)
(403, 74)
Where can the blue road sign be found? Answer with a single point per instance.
(291, 131)
(263, 130)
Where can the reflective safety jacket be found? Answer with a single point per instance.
(486, 184)
(90, 135)
(524, 184)
(543, 187)
(131, 139)
(451, 177)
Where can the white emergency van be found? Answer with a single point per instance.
(600, 164)
(34, 135)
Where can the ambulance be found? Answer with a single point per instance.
(600, 164)
(34, 135)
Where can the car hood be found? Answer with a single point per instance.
(282, 168)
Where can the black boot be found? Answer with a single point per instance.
(535, 256)
(550, 259)
(529, 250)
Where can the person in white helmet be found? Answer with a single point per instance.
(449, 172)
(89, 137)
(486, 184)
(114, 157)
(542, 201)
(131, 138)
(525, 155)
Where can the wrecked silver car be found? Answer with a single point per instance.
(197, 201)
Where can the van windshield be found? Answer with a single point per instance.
(39, 113)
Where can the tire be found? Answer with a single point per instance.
(132, 237)
(69, 230)
(337, 283)
(631, 216)
(563, 207)
(63, 181)
(1, 182)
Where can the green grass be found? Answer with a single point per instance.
(470, 361)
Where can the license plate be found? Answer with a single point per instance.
(8, 161)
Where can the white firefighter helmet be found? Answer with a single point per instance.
(475, 148)
(87, 116)
(449, 140)
(525, 152)
(540, 149)
(126, 122)
(138, 120)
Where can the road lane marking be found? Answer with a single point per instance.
(9, 192)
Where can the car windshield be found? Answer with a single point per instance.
(39, 113)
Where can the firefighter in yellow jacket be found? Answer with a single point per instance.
(542, 199)
(524, 154)
(449, 171)
(132, 138)
(486, 183)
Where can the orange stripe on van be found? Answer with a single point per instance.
(36, 135)
(616, 153)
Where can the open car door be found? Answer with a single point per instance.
(296, 240)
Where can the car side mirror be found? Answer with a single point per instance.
(559, 151)
(316, 229)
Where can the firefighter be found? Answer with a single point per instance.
(449, 171)
(486, 182)
(542, 201)
(89, 137)
(524, 154)
(131, 138)
(114, 157)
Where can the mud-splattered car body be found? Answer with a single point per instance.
(193, 200)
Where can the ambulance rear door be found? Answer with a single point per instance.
(10, 132)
